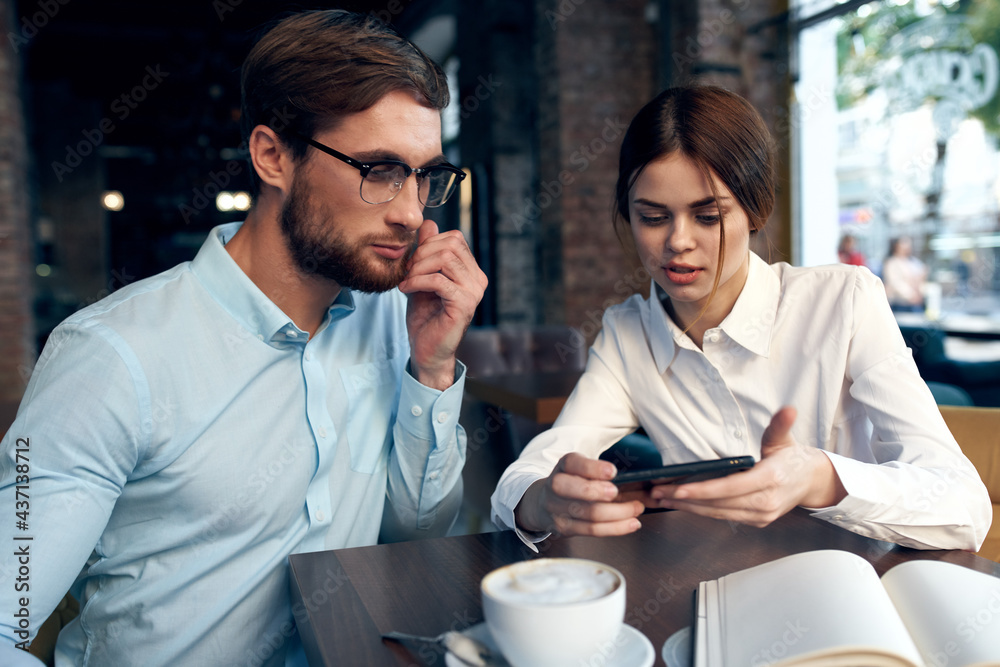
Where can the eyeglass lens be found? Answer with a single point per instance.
(384, 181)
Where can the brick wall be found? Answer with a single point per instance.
(598, 62)
(596, 67)
(16, 329)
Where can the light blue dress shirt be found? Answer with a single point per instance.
(184, 437)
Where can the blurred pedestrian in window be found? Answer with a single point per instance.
(904, 277)
(848, 252)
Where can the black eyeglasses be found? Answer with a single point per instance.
(381, 181)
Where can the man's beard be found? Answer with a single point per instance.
(332, 256)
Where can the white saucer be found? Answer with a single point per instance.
(677, 649)
(634, 648)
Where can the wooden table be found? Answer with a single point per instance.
(345, 599)
(539, 396)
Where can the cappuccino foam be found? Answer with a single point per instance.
(545, 582)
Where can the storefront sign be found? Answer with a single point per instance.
(937, 59)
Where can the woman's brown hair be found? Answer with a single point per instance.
(716, 129)
(313, 68)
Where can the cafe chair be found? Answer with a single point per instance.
(977, 431)
(949, 394)
(634, 452)
(979, 379)
(494, 436)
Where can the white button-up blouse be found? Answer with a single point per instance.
(821, 339)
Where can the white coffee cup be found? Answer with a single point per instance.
(554, 612)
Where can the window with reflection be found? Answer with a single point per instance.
(897, 125)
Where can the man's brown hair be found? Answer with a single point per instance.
(313, 68)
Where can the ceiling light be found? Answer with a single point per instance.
(224, 201)
(241, 201)
(112, 200)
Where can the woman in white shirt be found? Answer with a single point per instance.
(803, 368)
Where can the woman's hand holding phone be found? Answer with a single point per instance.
(584, 496)
(578, 498)
(788, 475)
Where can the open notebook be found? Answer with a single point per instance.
(830, 609)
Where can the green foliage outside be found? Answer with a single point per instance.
(864, 42)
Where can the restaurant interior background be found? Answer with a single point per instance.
(120, 148)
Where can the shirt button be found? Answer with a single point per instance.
(320, 516)
(713, 338)
(737, 434)
(321, 431)
(433, 475)
(838, 517)
(260, 336)
(416, 411)
(442, 417)
(293, 334)
(309, 355)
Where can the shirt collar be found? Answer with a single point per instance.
(751, 321)
(233, 290)
(749, 324)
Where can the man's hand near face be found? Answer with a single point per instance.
(444, 286)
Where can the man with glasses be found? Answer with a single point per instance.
(293, 388)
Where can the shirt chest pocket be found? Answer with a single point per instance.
(372, 396)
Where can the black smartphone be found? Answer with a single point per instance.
(681, 473)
